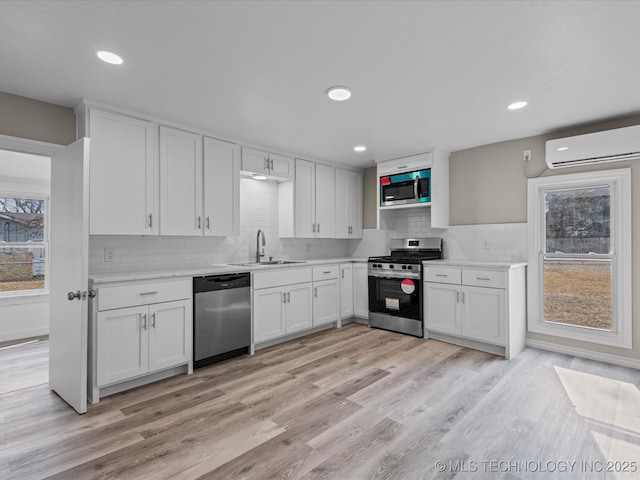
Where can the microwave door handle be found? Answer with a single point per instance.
(415, 188)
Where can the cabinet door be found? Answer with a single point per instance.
(268, 313)
(122, 344)
(360, 290)
(346, 290)
(324, 201)
(484, 314)
(298, 310)
(355, 204)
(442, 307)
(281, 166)
(342, 204)
(123, 175)
(255, 161)
(221, 188)
(180, 182)
(305, 218)
(170, 326)
(326, 307)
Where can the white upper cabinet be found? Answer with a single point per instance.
(199, 189)
(279, 167)
(123, 175)
(180, 182)
(314, 200)
(221, 188)
(348, 207)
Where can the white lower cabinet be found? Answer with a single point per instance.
(479, 308)
(281, 303)
(139, 329)
(326, 294)
(360, 290)
(346, 290)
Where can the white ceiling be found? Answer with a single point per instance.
(424, 74)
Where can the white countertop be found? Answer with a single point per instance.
(211, 270)
(452, 262)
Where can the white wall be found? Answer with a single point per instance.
(258, 210)
(24, 315)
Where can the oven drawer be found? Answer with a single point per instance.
(484, 278)
(442, 275)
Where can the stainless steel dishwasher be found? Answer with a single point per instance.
(221, 317)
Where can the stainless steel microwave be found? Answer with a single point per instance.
(405, 188)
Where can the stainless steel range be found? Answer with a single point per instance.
(395, 285)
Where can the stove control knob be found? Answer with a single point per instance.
(392, 266)
(410, 267)
(404, 267)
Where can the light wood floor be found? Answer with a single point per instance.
(352, 403)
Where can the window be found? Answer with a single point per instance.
(580, 256)
(23, 244)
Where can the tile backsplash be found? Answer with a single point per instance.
(259, 210)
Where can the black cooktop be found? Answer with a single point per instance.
(405, 257)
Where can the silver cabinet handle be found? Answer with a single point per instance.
(149, 293)
(463, 295)
(313, 228)
(315, 292)
(271, 164)
(92, 294)
(144, 321)
(342, 273)
(199, 222)
(483, 278)
(441, 275)
(266, 164)
(284, 297)
(208, 223)
(150, 220)
(153, 320)
(318, 228)
(288, 297)
(403, 166)
(457, 297)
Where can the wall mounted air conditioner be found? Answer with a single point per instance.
(592, 148)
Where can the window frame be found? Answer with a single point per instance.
(44, 244)
(620, 253)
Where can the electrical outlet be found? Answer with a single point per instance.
(486, 244)
(109, 255)
(527, 155)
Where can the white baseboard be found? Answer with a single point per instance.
(580, 352)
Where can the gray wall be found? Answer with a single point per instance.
(369, 200)
(488, 185)
(27, 118)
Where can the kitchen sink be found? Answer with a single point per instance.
(270, 262)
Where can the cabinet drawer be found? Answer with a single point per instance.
(143, 294)
(443, 275)
(484, 278)
(325, 272)
(280, 277)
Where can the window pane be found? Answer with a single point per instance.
(578, 220)
(578, 292)
(22, 268)
(21, 220)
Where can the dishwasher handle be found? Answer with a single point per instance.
(214, 283)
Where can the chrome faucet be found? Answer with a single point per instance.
(258, 255)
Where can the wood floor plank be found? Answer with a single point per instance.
(354, 403)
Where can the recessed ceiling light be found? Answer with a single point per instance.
(257, 176)
(359, 148)
(563, 148)
(339, 94)
(109, 57)
(517, 105)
